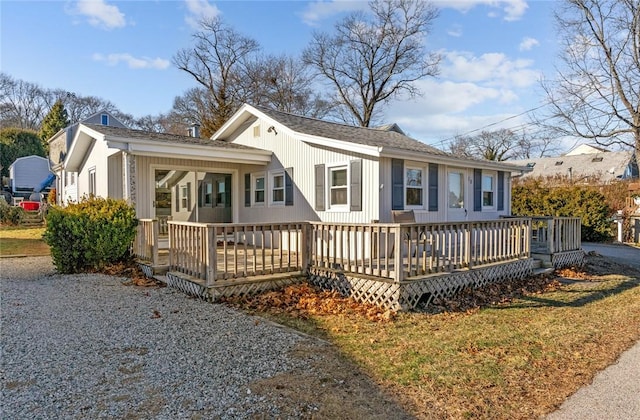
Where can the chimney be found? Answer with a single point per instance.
(194, 130)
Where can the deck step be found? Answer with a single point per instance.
(542, 271)
(537, 264)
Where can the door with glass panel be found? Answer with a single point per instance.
(456, 195)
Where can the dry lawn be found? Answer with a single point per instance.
(510, 351)
(22, 241)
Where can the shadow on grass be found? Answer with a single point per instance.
(587, 296)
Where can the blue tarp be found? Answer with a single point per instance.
(46, 183)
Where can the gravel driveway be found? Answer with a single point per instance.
(85, 346)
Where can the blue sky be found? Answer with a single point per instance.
(494, 53)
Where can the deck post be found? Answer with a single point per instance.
(467, 245)
(211, 244)
(155, 238)
(551, 235)
(397, 256)
(305, 245)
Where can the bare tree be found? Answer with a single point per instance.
(373, 57)
(216, 61)
(22, 104)
(501, 145)
(597, 94)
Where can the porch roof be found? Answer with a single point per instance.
(146, 143)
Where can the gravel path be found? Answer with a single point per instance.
(86, 346)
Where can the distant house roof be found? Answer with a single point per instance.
(605, 166)
(586, 148)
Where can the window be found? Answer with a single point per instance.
(207, 194)
(104, 119)
(92, 181)
(413, 187)
(456, 190)
(338, 186)
(184, 196)
(277, 188)
(258, 189)
(487, 190)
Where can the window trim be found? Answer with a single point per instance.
(493, 177)
(254, 177)
(271, 187)
(407, 168)
(463, 191)
(330, 169)
(104, 119)
(92, 181)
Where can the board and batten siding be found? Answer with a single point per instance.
(290, 152)
(145, 176)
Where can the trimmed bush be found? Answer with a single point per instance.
(10, 215)
(91, 234)
(534, 198)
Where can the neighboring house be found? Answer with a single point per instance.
(66, 181)
(270, 166)
(29, 174)
(585, 162)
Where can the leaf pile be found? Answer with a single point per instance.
(470, 298)
(133, 272)
(302, 300)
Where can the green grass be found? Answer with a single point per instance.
(22, 241)
(515, 360)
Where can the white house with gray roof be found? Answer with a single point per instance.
(585, 163)
(269, 166)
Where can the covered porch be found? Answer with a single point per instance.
(392, 265)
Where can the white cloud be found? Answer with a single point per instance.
(200, 10)
(511, 9)
(528, 43)
(131, 61)
(319, 10)
(493, 69)
(100, 14)
(455, 31)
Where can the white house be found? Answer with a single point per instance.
(270, 166)
(66, 181)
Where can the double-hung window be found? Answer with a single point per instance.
(338, 186)
(414, 187)
(277, 188)
(488, 184)
(92, 181)
(258, 189)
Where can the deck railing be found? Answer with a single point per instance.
(145, 245)
(399, 251)
(216, 252)
(551, 235)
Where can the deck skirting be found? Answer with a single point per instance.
(405, 296)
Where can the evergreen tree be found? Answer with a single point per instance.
(55, 120)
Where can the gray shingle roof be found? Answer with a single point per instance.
(359, 135)
(607, 166)
(164, 137)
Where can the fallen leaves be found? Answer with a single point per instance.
(302, 300)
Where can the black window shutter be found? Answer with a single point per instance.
(477, 190)
(500, 190)
(397, 184)
(433, 187)
(288, 187)
(177, 198)
(188, 196)
(247, 190)
(320, 179)
(356, 185)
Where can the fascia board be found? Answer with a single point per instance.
(453, 161)
(339, 144)
(200, 153)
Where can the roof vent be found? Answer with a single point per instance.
(597, 159)
(558, 163)
(531, 164)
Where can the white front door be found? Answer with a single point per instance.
(456, 195)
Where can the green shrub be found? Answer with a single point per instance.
(534, 198)
(10, 215)
(90, 234)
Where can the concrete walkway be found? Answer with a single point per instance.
(614, 392)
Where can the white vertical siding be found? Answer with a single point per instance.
(289, 152)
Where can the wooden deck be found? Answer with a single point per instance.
(392, 265)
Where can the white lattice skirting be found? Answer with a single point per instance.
(567, 259)
(186, 286)
(406, 295)
(252, 288)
